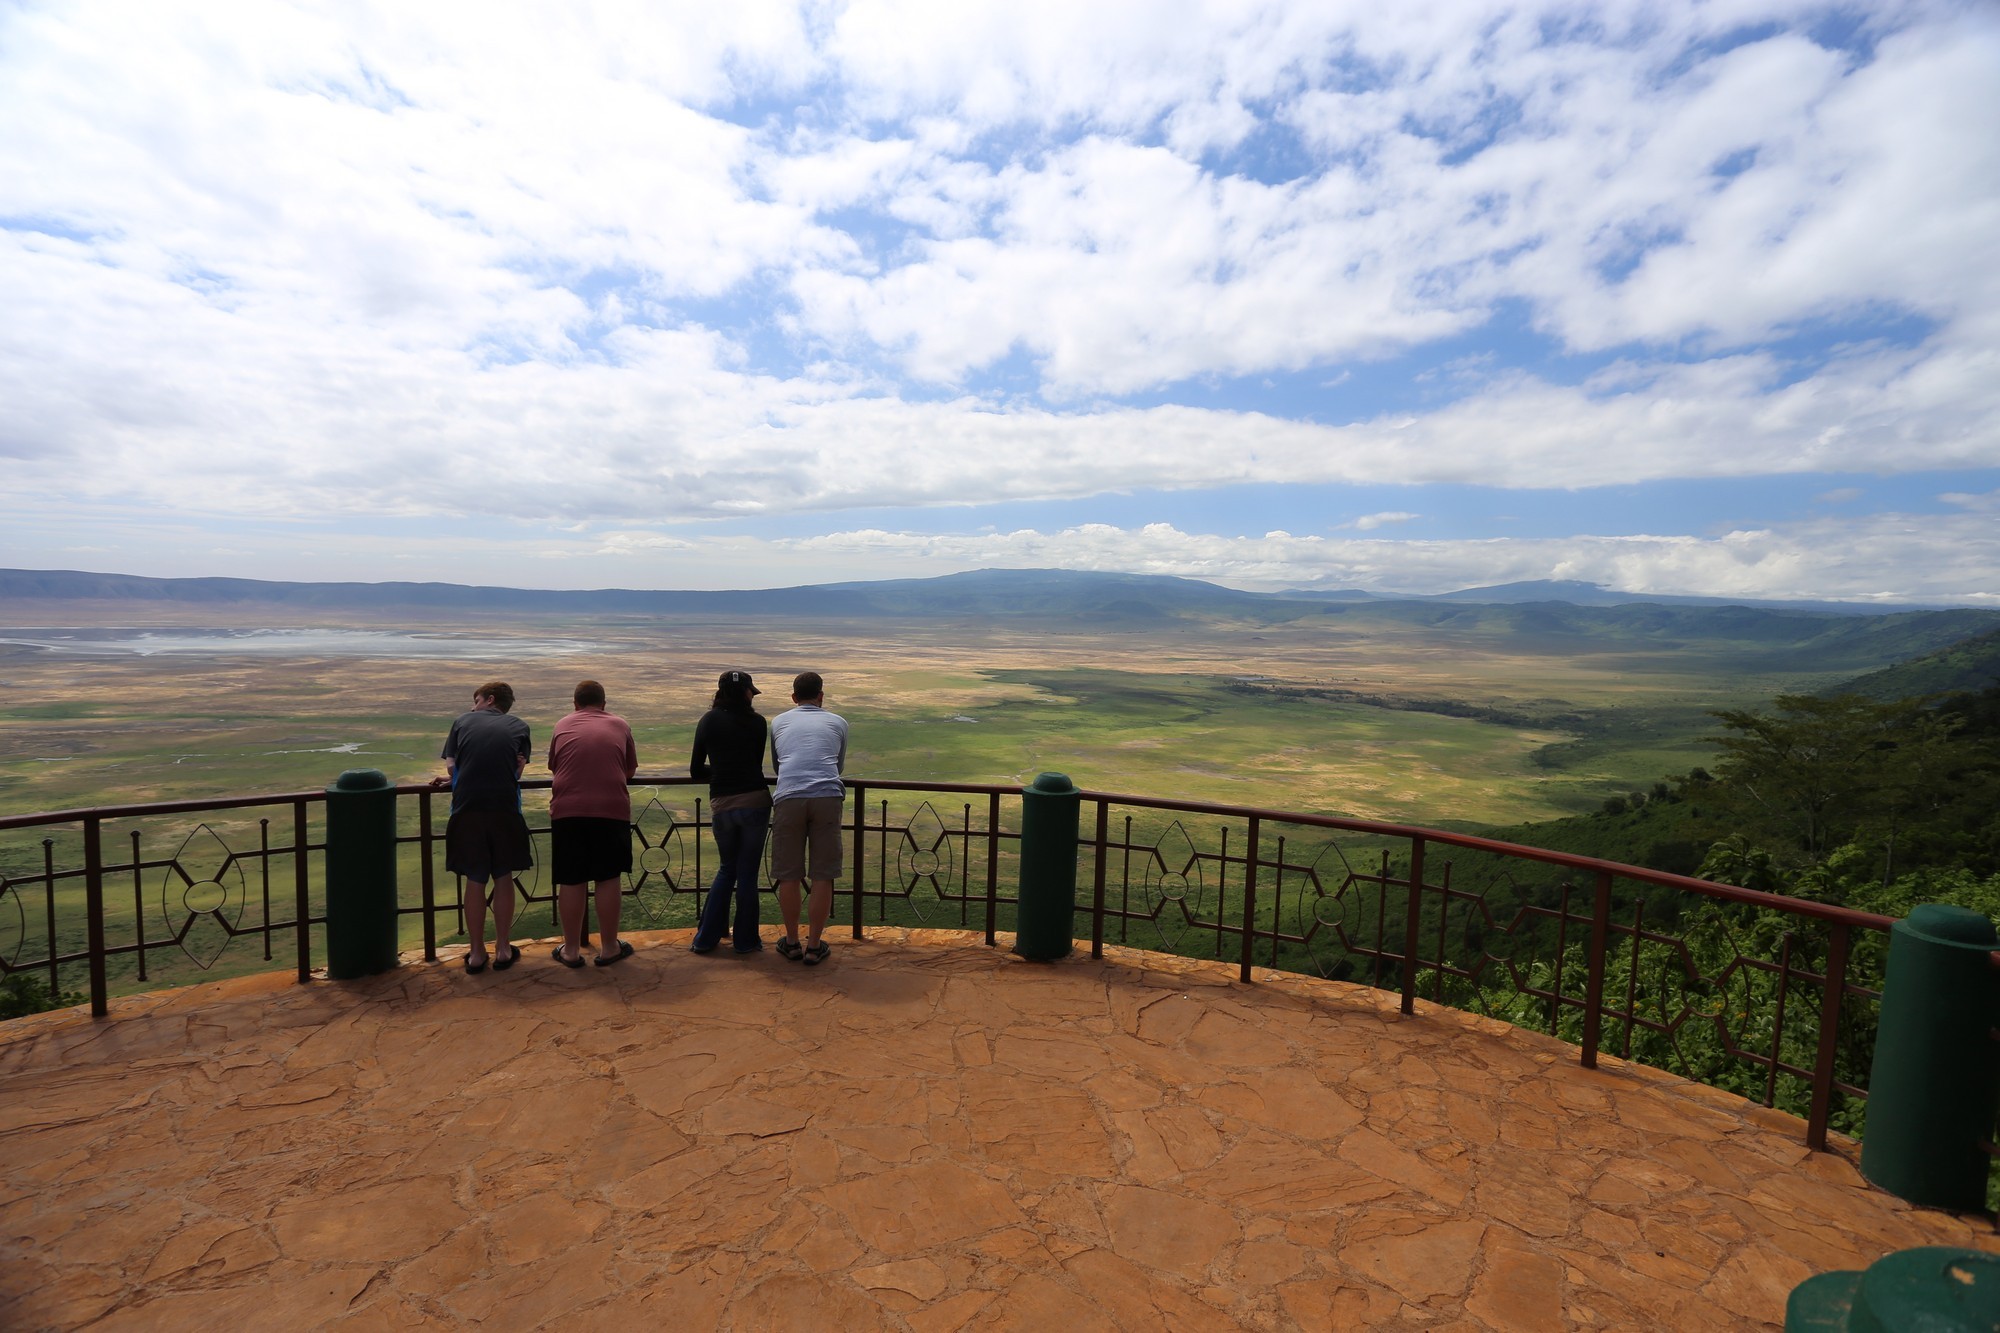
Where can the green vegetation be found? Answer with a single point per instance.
(22, 993)
(1965, 667)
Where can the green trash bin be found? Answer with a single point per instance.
(360, 875)
(1934, 1288)
(1045, 923)
(1935, 1084)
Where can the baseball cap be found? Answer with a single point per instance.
(737, 680)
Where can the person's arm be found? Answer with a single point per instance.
(631, 755)
(698, 759)
(840, 760)
(527, 748)
(777, 760)
(450, 756)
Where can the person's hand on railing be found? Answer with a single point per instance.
(442, 780)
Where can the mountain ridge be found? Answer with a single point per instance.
(979, 588)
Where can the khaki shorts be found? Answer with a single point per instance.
(802, 822)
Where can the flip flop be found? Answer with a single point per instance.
(624, 952)
(566, 962)
(473, 969)
(513, 956)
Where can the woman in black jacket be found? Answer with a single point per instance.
(729, 752)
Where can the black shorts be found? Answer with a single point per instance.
(480, 844)
(585, 850)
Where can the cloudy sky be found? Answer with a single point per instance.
(1691, 297)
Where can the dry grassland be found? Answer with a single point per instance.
(1147, 710)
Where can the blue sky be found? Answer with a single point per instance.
(1678, 298)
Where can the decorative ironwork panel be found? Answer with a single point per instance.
(202, 895)
(662, 862)
(13, 924)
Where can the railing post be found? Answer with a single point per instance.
(1829, 1037)
(1250, 852)
(992, 865)
(1097, 879)
(93, 884)
(302, 885)
(1413, 920)
(1593, 986)
(860, 833)
(427, 874)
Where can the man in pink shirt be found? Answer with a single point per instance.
(591, 758)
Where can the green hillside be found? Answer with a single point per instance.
(1964, 667)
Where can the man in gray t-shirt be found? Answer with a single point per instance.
(808, 752)
(487, 839)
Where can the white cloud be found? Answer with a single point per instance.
(634, 263)
(1888, 558)
(1370, 522)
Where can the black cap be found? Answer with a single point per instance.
(737, 680)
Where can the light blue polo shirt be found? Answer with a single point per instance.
(808, 750)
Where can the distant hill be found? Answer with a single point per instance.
(1795, 637)
(1574, 592)
(1966, 666)
(1037, 592)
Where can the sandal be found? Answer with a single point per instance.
(513, 957)
(624, 952)
(473, 969)
(566, 962)
(816, 952)
(790, 949)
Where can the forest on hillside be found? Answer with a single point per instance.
(1861, 802)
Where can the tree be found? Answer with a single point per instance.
(1810, 776)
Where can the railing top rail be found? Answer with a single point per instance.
(77, 816)
(1472, 842)
(1803, 907)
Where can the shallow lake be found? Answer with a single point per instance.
(197, 642)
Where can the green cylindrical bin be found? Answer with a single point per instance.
(1935, 1084)
(1935, 1287)
(1045, 924)
(360, 875)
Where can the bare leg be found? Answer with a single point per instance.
(570, 902)
(608, 905)
(788, 906)
(503, 913)
(818, 909)
(475, 920)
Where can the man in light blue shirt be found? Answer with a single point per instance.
(808, 751)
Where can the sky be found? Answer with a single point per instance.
(1674, 296)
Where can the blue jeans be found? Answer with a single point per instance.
(739, 848)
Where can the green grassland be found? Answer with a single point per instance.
(1463, 719)
(1455, 717)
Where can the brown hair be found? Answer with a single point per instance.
(807, 685)
(502, 692)
(589, 694)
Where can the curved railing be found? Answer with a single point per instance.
(1769, 996)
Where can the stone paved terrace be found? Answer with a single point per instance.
(923, 1133)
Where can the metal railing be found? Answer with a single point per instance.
(1770, 996)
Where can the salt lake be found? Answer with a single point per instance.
(311, 642)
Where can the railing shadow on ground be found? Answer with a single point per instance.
(1773, 998)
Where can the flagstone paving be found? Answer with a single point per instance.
(924, 1133)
